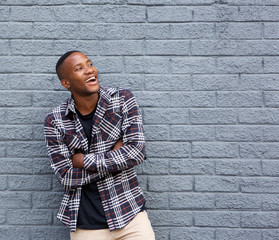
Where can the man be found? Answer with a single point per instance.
(94, 140)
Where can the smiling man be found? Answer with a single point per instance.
(94, 140)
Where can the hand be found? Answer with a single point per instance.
(118, 144)
(77, 160)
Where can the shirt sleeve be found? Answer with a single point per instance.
(133, 150)
(60, 159)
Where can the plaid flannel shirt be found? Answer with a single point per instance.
(117, 116)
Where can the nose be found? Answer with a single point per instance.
(90, 70)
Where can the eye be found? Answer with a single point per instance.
(90, 64)
(78, 69)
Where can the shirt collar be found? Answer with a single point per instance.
(105, 97)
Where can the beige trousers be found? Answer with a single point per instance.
(138, 229)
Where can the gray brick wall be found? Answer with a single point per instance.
(205, 73)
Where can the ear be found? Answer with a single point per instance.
(65, 83)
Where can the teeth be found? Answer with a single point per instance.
(93, 78)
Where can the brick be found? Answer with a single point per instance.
(156, 132)
(216, 184)
(155, 200)
(192, 133)
(239, 65)
(3, 183)
(130, 81)
(259, 82)
(31, 13)
(192, 99)
(193, 31)
(16, 166)
(54, 2)
(238, 133)
(20, 233)
(44, 64)
(270, 202)
(215, 82)
(259, 150)
(2, 149)
(146, 65)
(168, 149)
(41, 166)
(4, 13)
(259, 185)
(231, 234)
(245, 30)
(47, 200)
(175, 82)
(108, 64)
(31, 81)
(15, 133)
(246, 2)
(31, 183)
(170, 2)
(30, 47)
(49, 99)
(50, 30)
(271, 99)
(170, 183)
(258, 47)
(16, 2)
(38, 133)
(100, 31)
(85, 46)
(215, 13)
(238, 201)
(15, 64)
(169, 14)
(197, 166)
(214, 47)
(30, 217)
(15, 200)
(141, 178)
(2, 116)
(271, 30)
(238, 167)
(259, 220)
(129, 14)
(270, 168)
(148, 31)
(258, 13)
(74, 13)
(4, 82)
(16, 30)
(167, 47)
(28, 116)
(152, 99)
(161, 233)
(155, 166)
(102, 1)
(214, 150)
(271, 64)
(15, 99)
(52, 232)
(270, 133)
(213, 116)
(193, 65)
(270, 234)
(217, 219)
(165, 116)
(192, 233)
(192, 201)
(4, 45)
(131, 47)
(170, 218)
(259, 116)
(26, 149)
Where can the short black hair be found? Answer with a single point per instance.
(61, 60)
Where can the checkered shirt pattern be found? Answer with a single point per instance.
(117, 116)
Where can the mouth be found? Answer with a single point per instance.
(91, 80)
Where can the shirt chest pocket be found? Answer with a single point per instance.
(111, 126)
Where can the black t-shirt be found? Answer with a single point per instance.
(91, 214)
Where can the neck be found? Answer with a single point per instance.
(87, 104)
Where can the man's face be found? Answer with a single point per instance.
(80, 76)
